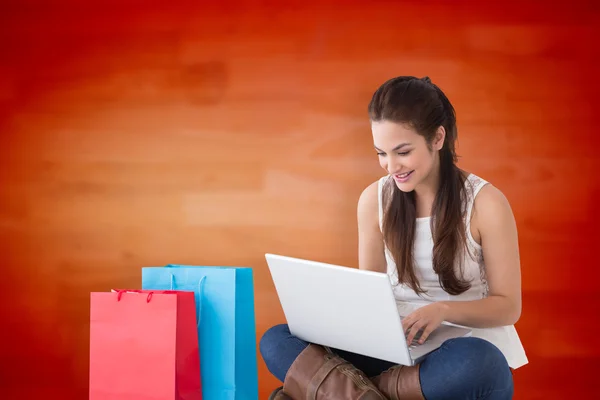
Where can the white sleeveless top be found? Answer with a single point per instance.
(504, 337)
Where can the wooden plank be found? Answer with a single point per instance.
(210, 134)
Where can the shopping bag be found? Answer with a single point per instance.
(227, 334)
(144, 346)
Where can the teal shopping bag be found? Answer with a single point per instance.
(226, 329)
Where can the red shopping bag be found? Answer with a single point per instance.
(144, 346)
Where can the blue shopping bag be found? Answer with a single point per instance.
(226, 328)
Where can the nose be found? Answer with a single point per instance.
(393, 167)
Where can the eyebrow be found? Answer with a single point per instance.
(401, 145)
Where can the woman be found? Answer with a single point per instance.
(448, 241)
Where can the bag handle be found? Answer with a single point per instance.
(200, 293)
(120, 293)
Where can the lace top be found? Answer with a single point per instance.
(473, 270)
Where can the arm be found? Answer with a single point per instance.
(370, 240)
(496, 225)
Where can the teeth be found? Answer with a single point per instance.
(403, 175)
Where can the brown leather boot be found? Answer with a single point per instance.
(278, 394)
(319, 374)
(400, 383)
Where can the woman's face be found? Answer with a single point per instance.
(405, 154)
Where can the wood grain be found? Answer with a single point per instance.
(134, 134)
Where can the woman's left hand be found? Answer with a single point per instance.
(428, 318)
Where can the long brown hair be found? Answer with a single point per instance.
(423, 106)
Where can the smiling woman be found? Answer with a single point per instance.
(448, 241)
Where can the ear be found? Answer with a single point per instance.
(438, 140)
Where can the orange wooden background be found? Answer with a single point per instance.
(134, 134)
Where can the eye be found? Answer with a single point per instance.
(380, 154)
(404, 153)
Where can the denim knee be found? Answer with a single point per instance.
(466, 368)
(272, 337)
(482, 362)
(279, 348)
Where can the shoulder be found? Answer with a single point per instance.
(491, 207)
(368, 202)
(369, 195)
(369, 198)
(370, 239)
(491, 199)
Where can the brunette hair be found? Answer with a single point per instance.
(421, 105)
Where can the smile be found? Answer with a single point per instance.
(403, 177)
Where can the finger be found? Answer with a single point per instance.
(415, 316)
(408, 321)
(410, 326)
(426, 332)
(414, 329)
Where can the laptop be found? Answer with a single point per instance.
(348, 309)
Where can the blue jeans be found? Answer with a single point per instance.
(462, 368)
